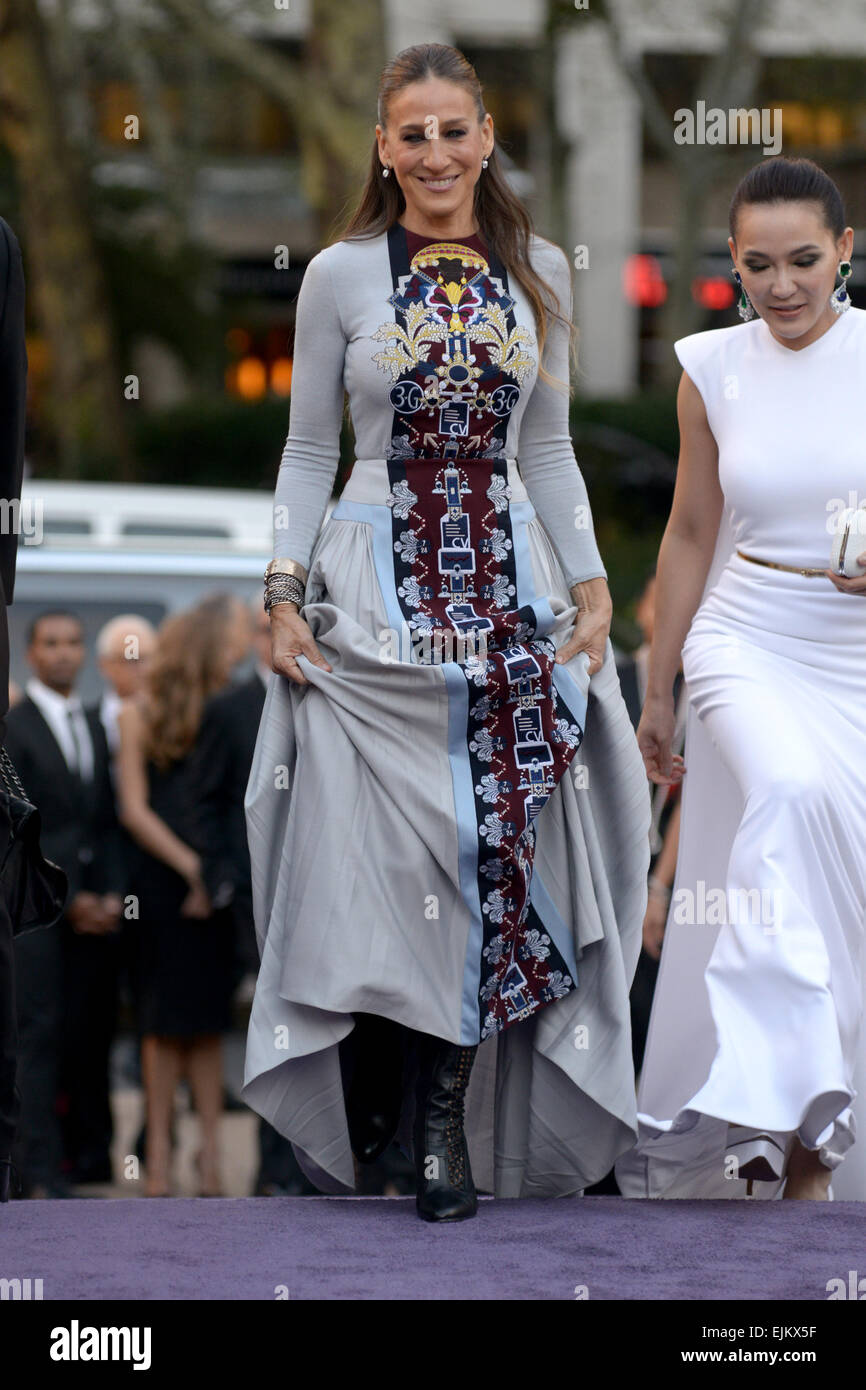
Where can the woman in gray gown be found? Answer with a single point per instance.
(447, 810)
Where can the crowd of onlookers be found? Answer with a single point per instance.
(141, 803)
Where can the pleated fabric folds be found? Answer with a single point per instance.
(353, 835)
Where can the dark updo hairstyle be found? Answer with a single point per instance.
(784, 180)
(503, 221)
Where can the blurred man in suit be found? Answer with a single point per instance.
(67, 974)
(13, 396)
(223, 757)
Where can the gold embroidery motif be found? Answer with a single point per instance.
(425, 325)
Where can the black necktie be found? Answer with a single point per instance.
(81, 762)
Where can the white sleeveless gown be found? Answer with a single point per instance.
(757, 1015)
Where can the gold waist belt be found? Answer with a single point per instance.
(792, 569)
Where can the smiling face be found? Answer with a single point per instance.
(788, 261)
(434, 145)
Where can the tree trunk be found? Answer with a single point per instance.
(65, 279)
(682, 314)
(728, 78)
(345, 56)
(331, 96)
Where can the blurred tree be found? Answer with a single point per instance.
(345, 55)
(81, 237)
(330, 94)
(176, 163)
(727, 77)
(553, 167)
(64, 270)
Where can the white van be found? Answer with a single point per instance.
(100, 549)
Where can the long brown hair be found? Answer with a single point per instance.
(188, 665)
(502, 219)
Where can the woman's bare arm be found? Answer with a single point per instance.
(688, 543)
(134, 810)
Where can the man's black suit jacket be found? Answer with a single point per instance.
(80, 831)
(221, 768)
(13, 393)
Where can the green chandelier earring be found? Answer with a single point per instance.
(745, 307)
(839, 300)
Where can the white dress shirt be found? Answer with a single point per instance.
(65, 714)
(109, 708)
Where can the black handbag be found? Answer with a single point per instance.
(34, 888)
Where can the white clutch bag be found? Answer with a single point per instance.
(849, 541)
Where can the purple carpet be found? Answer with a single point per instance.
(368, 1248)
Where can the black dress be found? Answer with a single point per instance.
(186, 965)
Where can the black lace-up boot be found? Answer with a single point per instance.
(446, 1191)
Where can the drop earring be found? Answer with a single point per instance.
(745, 307)
(385, 171)
(484, 163)
(839, 300)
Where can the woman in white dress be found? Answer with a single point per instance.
(749, 1074)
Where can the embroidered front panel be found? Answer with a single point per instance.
(457, 360)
